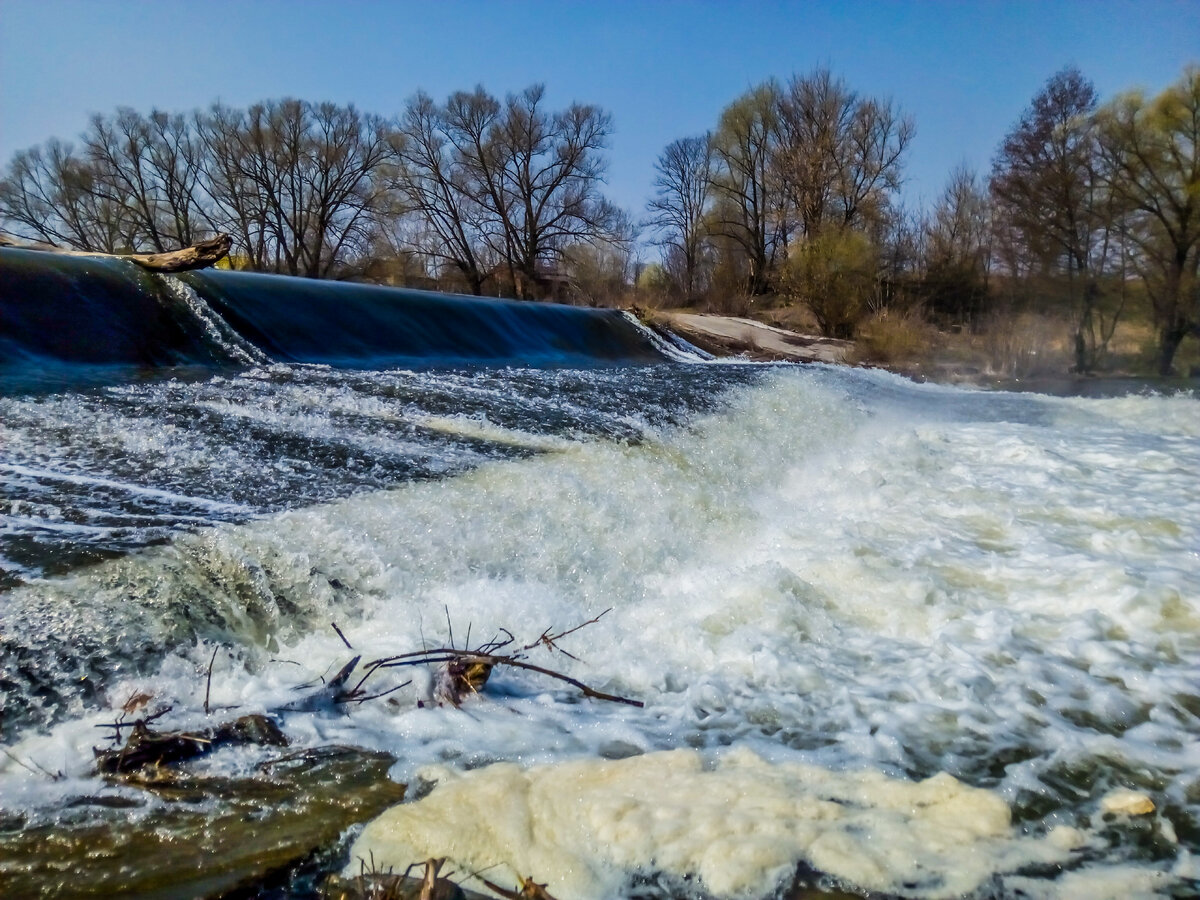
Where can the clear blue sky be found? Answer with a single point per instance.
(664, 69)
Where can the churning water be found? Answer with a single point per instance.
(909, 637)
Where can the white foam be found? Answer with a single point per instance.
(737, 823)
(837, 569)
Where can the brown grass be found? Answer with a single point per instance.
(894, 339)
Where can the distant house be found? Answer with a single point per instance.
(550, 283)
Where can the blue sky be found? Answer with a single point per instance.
(663, 69)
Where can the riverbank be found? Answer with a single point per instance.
(757, 341)
(929, 356)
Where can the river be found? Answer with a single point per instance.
(909, 639)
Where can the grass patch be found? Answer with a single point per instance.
(894, 339)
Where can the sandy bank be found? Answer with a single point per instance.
(730, 335)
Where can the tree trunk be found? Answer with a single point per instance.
(1169, 339)
(198, 256)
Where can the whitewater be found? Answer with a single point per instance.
(908, 638)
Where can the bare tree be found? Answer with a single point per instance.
(440, 188)
(869, 173)
(815, 116)
(680, 206)
(1047, 190)
(177, 156)
(533, 178)
(49, 194)
(550, 179)
(299, 183)
(840, 154)
(599, 273)
(151, 167)
(958, 249)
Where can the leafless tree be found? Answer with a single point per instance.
(679, 210)
(840, 154)
(1047, 189)
(444, 193)
(49, 193)
(512, 181)
(299, 183)
(549, 180)
(151, 167)
(958, 249)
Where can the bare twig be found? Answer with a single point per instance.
(548, 640)
(353, 696)
(120, 723)
(34, 767)
(342, 636)
(587, 691)
(449, 654)
(208, 683)
(466, 670)
(496, 644)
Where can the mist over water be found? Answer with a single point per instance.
(818, 567)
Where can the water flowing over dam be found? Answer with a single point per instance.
(81, 311)
(896, 638)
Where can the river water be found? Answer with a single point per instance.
(908, 638)
(812, 565)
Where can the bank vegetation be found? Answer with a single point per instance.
(1078, 250)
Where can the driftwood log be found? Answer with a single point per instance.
(198, 256)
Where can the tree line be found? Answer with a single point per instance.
(795, 194)
(793, 197)
(474, 188)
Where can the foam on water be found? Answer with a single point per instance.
(838, 575)
(738, 824)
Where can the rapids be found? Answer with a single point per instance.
(905, 638)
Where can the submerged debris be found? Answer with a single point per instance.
(147, 748)
(463, 673)
(203, 836)
(527, 889)
(371, 884)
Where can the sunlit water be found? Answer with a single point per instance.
(825, 585)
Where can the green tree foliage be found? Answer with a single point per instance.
(748, 200)
(1153, 170)
(836, 274)
(792, 161)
